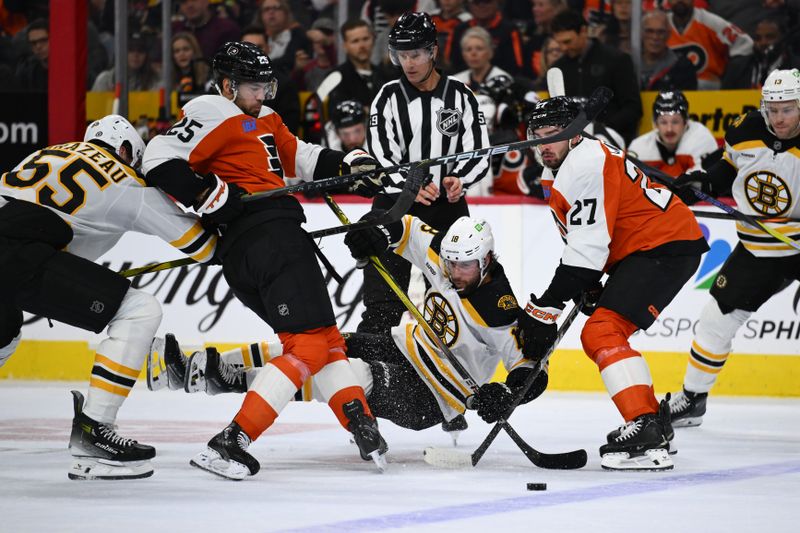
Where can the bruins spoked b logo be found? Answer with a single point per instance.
(441, 317)
(767, 193)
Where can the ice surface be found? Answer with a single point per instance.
(739, 471)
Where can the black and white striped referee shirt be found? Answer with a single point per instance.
(407, 125)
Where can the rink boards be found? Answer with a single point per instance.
(199, 308)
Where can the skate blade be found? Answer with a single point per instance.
(454, 437)
(652, 460)
(689, 422)
(447, 458)
(195, 379)
(90, 468)
(156, 367)
(379, 460)
(211, 461)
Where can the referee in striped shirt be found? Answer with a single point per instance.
(422, 115)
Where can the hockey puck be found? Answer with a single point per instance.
(537, 486)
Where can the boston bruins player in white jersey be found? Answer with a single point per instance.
(407, 379)
(60, 209)
(761, 165)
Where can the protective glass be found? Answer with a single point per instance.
(420, 56)
(266, 90)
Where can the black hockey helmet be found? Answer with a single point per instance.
(671, 103)
(242, 61)
(412, 31)
(556, 111)
(348, 113)
(499, 88)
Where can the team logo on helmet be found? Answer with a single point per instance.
(448, 121)
(440, 315)
(767, 193)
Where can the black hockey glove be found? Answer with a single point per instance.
(537, 326)
(683, 185)
(492, 401)
(360, 161)
(366, 242)
(590, 298)
(222, 203)
(516, 381)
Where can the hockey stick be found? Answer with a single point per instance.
(666, 179)
(600, 97)
(560, 461)
(405, 200)
(542, 460)
(725, 216)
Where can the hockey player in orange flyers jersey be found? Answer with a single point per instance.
(232, 143)
(612, 220)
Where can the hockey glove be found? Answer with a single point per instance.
(360, 161)
(366, 242)
(516, 381)
(590, 298)
(222, 202)
(492, 401)
(683, 185)
(537, 326)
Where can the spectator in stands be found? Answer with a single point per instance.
(31, 73)
(359, 79)
(142, 76)
(708, 40)
(211, 30)
(315, 69)
(286, 101)
(191, 72)
(618, 26)
(477, 52)
(663, 69)
(588, 64)
(450, 14)
(537, 32)
(770, 51)
(506, 38)
(287, 40)
(550, 53)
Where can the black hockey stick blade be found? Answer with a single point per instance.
(550, 461)
(596, 103)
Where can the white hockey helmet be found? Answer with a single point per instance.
(468, 239)
(115, 130)
(780, 86)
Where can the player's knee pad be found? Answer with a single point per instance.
(605, 329)
(716, 330)
(309, 348)
(134, 325)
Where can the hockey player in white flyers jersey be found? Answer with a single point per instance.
(676, 144)
(60, 209)
(407, 379)
(762, 169)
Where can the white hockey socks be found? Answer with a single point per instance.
(120, 356)
(711, 346)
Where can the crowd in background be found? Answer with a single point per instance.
(685, 45)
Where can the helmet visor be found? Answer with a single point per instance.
(463, 274)
(262, 90)
(418, 56)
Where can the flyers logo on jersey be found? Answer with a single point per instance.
(447, 121)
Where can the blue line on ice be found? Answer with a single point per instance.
(539, 499)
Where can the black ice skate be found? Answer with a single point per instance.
(207, 371)
(98, 452)
(227, 456)
(454, 427)
(166, 364)
(641, 444)
(366, 434)
(688, 408)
